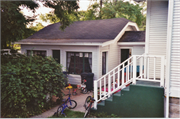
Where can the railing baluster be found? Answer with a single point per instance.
(109, 85)
(141, 67)
(104, 84)
(145, 66)
(162, 72)
(128, 71)
(95, 94)
(100, 89)
(148, 67)
(134, 69)
(122, 80)
(113, 79)
(154, 68)
(118, 77)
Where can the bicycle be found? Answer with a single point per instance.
(71, 104)
(87, 105)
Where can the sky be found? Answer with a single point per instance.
(83, 4)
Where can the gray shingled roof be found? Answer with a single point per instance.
(133, 36)
(92, 29)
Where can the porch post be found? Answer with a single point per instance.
(162, 71)
(95, 94)
(134, 69)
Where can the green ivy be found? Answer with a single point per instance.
(25, 83)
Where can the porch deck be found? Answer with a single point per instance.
(148, 83)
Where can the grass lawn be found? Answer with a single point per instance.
(76, 114)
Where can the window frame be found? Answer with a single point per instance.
(75, 63)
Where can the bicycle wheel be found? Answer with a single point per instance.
(72, 105)
(87, 102)
(84, 91)
(59, 111)
(87, 111)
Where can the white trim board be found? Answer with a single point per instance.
(131, 43)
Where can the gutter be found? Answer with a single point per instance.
(33, 43)
(131, 43)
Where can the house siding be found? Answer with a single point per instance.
(175, 52)
(156, 36)
(73, 79)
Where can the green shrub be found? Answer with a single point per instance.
(25, 83)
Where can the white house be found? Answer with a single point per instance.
(87, 46)
(160, 63)
(163, 32)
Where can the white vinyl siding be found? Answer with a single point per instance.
(157, 15)
(138, 50)
(175, 52)
(73, 79)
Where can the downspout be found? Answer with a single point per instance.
(168, 53)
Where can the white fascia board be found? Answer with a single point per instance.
(124, 29)
(121, 33)
(131, 43)
(83, 44)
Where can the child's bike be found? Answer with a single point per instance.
(87, 105)
(71, 104)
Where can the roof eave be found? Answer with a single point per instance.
(131, 43)
(85, 44)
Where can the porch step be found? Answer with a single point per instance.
(110, 98)
(136, 101)
(101, 103)
(118, 93)
(126, 88)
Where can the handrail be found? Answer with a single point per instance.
(115, 67)
(120, 76)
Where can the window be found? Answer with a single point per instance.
(79, 62)
(56, 55)
(103, 63)
(37, 52)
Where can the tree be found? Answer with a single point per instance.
(92, 13)
(13, 22)
(51, 17)
(31, 30)
(63, 10)
(115, 9)
(123, 9)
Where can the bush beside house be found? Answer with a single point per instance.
(25, 83)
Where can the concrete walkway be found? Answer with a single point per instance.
(79, 98)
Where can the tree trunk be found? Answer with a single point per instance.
(100, 9)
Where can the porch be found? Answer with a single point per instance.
(145, 74)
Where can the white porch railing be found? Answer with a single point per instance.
(137, 67)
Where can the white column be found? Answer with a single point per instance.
(134, 69)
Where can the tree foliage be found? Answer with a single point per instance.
(120, 9)
(25, 83)
(13, 22)
(115, 9)
(63, 10)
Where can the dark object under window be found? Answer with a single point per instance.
(89, 80)
(79, 62)
(37, 52)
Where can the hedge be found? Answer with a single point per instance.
(25, 83)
